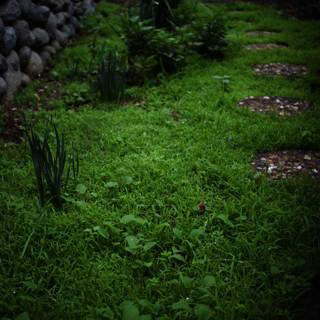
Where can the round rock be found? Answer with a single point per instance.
(45, 56)
(25, 79)
(24, 54)
(41, 37)
(24, 36)
(8, 41)
(3, 64)
(52, 24)
(13, 61)
(39, 14)
(13, 80)
(10, 10)
(25, 6)
(3, 87)
(35, 66)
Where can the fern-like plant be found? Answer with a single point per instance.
(52, 165)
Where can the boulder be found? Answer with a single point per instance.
(25, 6)
(52, 24)
(35, 66)
(24, 55)
(61, 37)
(51, 50)
(3, 87)
(75, 22)
(56, 45)
(10, 10)
(24, 35)
(39, 15)
(8, 41)
(13, 79)
(88, 6)
(69, 30)
(25, 79)
(3, 64)
(13, 61)
(61, 19)
(41, 37)
(45, 56)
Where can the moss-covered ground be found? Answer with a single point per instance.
(132, 243)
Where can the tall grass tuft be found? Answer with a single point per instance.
(110, 81)
(52, 165)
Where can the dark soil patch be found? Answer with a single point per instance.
(266, 46)
(11, 127)
(284, 164)
(280, 105)
(280, 69)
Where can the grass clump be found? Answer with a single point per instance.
(52, 164)
(110, 81)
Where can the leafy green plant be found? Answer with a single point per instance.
(52, 165)
(110, 80)
(211, 37)
(77, 93)
(168, 50)
(152, 49)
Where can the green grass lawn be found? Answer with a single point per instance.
(134, 243)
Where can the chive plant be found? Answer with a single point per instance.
(52, 165)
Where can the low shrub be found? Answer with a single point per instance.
(52, 164)
(211, 37)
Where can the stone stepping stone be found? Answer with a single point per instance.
(284, 164)
(265, 46)
(280, 69)
(283, 106)
(258, 33)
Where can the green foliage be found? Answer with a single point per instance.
(168, 50)
(152, 49)
(211, 37)
(50, 162)
(160, 12)
(77, 94)
(110, 81)
(143, 173)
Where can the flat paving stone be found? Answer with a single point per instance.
(285, 164)
(265, 46)
(280, 69)
(257, 33)
(283, 106)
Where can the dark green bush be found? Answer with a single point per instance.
(52, 165)
(211, 37)
(151, 49)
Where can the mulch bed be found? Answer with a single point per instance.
(281, 105)
(265, 46)
(284, 164)
(280, 69)
(258, 33)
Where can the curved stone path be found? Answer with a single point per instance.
(280, 164)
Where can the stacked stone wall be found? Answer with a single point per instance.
(31, 34)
